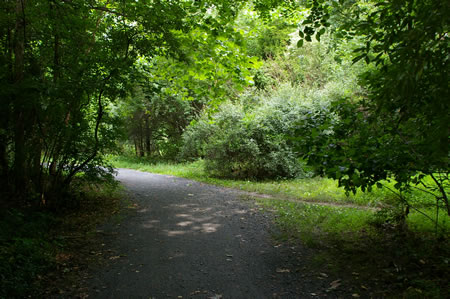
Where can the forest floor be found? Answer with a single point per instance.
(187, 239)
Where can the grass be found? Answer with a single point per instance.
(389, 262)
(311, 223)
(308, 189)
(313, 190)
(80, 245)
(351, 233)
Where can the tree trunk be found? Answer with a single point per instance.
(141, 139)
(141, 144)
(19, 117)
(5, 115)
(136, 147)
(148, 137)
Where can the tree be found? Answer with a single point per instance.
(170, 92)
(62, 64)
(402, 128)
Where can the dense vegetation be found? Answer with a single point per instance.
(63, 65)
(266, 90)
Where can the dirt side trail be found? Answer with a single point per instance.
(192, 240)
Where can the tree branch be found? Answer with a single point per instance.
(97, 126)
(104, 9)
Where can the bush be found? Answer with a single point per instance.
(253, 142)
(194, 138)
(25, 251)
(292, 97)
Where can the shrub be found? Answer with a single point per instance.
(25, 251)
(252, 142)
(194, 138)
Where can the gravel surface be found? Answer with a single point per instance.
(193, 240)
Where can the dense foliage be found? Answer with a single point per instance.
(73, 74)
(264, 89)
(169, 93)
(253, 138)
(247, 145)
(62, 65)
(25, 251)
(401, 130)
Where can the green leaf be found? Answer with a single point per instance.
(358, 58)
(300, 43)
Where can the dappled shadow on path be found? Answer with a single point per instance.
(196, 241)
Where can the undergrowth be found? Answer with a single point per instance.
(26, 250)
(390, 261)
(38, 247)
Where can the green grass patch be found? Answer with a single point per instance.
(388, 261)
(427, 224)
(314, 190)
(308, 189)
(314, 223)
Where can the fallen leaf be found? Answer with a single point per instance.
(190, 194)
(335, 284)
(324, 274)
(279, 270)
(355, 295)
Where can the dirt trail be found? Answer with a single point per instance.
(193, 240)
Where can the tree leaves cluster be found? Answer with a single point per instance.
(401, 130)
(63, 63)
(250, 138)
(248, 144)
(172, 91)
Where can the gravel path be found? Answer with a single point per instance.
(193, 240)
